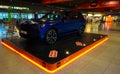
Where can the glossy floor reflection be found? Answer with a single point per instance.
(105, 59)
(2, 30)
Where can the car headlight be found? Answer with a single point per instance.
(42, 25)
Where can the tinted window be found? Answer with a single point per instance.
(73, 16)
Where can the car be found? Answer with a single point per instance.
(53, 25)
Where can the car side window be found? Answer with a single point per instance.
(74, 16)
(71, 16)
(65, 17)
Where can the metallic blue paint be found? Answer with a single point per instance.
(62, 26)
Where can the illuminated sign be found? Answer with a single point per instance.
(53, 54)
(14, 7)
(21, 8)
(2, 6)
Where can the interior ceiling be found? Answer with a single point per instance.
(73, 4)
(38, 5)
(59, 3)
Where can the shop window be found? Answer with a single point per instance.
(30, 16)
(40, 15)
(1, 16)
(15, 15)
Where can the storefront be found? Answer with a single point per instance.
(20, 13)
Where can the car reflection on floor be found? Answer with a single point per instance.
(98, 27)
(95, 27)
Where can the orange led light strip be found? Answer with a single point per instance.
(62, 66)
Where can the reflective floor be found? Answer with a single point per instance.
(104, 59)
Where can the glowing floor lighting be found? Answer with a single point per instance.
(62, 66)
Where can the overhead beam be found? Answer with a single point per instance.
(54, 1)
(100, 4)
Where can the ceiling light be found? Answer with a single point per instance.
(110, 2)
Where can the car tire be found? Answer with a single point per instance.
(81, 30)
(51, 36)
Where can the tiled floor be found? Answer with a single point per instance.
(104, 59)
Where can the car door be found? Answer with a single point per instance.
(76, 20)
(65, 25)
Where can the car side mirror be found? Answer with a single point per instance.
(62, 19)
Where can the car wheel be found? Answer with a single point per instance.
(81, 30)
(51, 36)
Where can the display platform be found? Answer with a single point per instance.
(52, 58)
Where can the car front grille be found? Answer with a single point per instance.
(31, 29)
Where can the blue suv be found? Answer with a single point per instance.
(53, 25)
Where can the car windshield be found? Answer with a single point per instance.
(51, 16)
